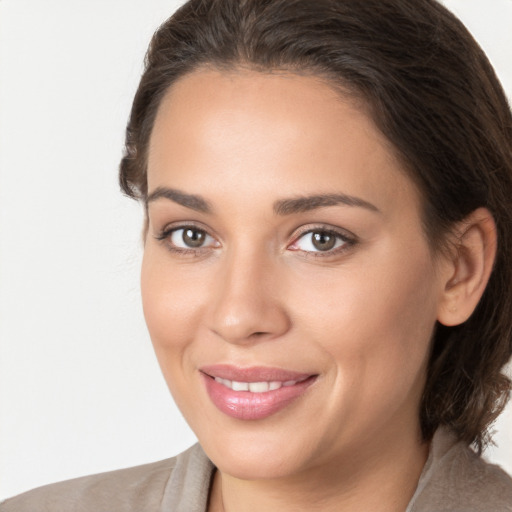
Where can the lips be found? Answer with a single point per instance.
(253, 393)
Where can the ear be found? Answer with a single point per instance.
(468, 269)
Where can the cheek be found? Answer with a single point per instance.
(171, 302)
(375, 322)
(172, 306)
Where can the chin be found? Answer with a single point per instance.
(256, 455)
(253, 466)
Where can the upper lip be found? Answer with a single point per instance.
(253, 373)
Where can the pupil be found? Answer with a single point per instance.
(323, 241)
(193, 237)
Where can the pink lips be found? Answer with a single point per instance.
(248, 405)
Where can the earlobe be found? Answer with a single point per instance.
(469, 269)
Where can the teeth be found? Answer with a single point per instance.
(258, 387)
(254, 387)
(239, 386)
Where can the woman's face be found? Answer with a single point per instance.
(288, 286)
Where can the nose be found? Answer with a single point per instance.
(246, 304)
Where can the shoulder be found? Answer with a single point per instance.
(115, 490)
(457, 479)
(127, 490)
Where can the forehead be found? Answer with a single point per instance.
(294, 133)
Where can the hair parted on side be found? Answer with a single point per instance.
(434, 95)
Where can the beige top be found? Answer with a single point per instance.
(454, 479)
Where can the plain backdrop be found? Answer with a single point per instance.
(80, 388)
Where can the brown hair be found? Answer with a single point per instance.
(430, 90)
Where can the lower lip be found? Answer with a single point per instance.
(244, 405)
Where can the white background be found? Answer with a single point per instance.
(80, 389)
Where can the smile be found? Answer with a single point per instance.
(255, 387)
(253, 393)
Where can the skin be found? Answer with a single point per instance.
(258, 293)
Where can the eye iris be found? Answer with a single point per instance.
(323, 241)
(193, 237)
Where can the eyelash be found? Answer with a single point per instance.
(348, 241)
(165, 237)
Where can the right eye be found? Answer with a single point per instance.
(187, 238)
(190, 238)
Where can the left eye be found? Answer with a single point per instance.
(319, 241)
(191, 238)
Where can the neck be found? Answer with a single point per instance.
(374, 478)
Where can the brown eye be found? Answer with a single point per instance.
(323, 241)
(191, 238)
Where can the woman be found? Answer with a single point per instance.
(326, 276)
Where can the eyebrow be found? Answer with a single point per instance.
(191, 201)
(281, 207)
(307, 203)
